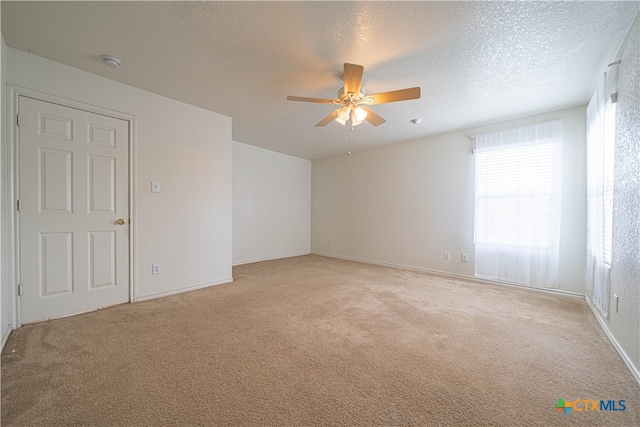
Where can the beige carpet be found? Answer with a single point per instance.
(318, 341)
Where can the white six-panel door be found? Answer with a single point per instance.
(74, 211)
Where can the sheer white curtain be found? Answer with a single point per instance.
(517, 206)
(600, 137)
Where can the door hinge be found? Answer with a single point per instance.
(19, 290)
(18, 205)
(18, 119)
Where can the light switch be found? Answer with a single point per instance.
(155, 187)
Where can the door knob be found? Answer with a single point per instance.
(121, 221)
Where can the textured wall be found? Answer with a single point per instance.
(625, 264)
(271, 204)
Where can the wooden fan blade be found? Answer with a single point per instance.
(393, 96)
(318, 100)
(372, 116)
(328, 119)
(352, 78)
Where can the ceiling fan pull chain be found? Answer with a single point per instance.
(349, 152)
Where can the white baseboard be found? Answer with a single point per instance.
(457, 276)
(625, 358)
(269, 258)
(182, 290)
(5, 336)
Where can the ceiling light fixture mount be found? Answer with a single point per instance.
(111, 61)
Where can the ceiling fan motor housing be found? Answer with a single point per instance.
(354, 99)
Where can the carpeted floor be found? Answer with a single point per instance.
(314, 341)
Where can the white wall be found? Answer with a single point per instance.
(405, 204)
(186, 227)
(271, 204)
(624, 323)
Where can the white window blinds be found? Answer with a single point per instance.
(607, 190)
(517, 204)
(601, 117)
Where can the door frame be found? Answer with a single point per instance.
(13, 185)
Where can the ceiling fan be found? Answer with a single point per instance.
(355, 103)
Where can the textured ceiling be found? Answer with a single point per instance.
(476, 62)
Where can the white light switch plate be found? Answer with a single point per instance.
(155, 187)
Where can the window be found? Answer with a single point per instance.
(514, 186)
(517, 204)
(607, 188)
(601, 135)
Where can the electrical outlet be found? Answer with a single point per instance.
(320, 242)
(328, 242)
(446, 256)
(155, 269)
(464, 258)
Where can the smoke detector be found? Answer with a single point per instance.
(111, 62)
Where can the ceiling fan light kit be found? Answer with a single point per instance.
(343, 114)
(356, 115)
(359, 113)
(355, 103)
